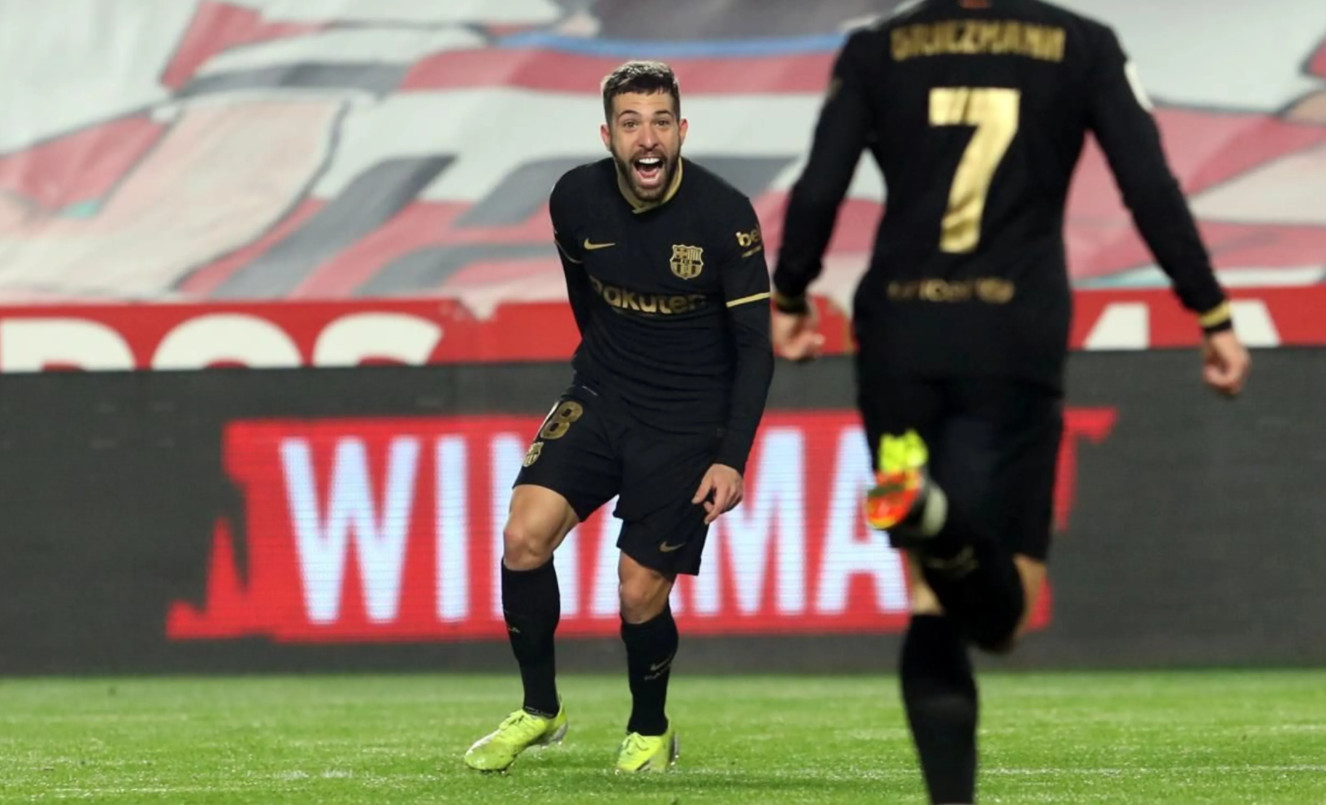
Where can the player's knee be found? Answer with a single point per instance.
(643, 598)
(540, 519)
(1009, 642)
(1007, 626)
(998, 633)
(525, 547)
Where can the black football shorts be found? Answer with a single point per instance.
(589, 450)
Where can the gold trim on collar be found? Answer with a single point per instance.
(644, 206)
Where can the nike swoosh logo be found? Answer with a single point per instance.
(593, 246)
(656, 667)
(663, 547)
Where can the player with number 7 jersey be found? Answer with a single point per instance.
(976, 112)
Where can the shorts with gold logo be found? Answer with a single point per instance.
(588, 451)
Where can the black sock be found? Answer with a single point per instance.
(975, 579)
(532, 605)
(939, 693)
(650, 647)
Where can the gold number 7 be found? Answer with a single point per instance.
(994, 113)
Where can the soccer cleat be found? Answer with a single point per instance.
(497, 750)
(900, 483)
(649, 752)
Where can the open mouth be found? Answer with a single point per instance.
(649, 171)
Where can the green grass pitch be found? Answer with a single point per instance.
(1220, 737)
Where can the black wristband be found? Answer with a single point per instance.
(796, 305)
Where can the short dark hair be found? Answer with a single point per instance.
(645, 77)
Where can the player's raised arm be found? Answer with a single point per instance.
(840, 135)
(578, 290)
(746, 290)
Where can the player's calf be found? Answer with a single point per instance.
(970, 572)
(939, 696)
(531, 597)
(650, 635)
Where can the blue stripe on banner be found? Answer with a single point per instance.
(662, 49)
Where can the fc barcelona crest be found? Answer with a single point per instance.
(687, 261)
(532, 455)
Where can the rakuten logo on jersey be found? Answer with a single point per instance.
(391, 530)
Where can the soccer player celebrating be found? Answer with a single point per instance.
(667, 280)
(975, 111)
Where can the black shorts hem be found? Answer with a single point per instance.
(687, 564)
(580, 504)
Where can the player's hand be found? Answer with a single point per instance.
(1225, 363)
(724, 483)
(796, 336)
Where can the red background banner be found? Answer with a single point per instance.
(390, 530)
(440, 331)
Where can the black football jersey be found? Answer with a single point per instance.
(671, 299)
(976, 112)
